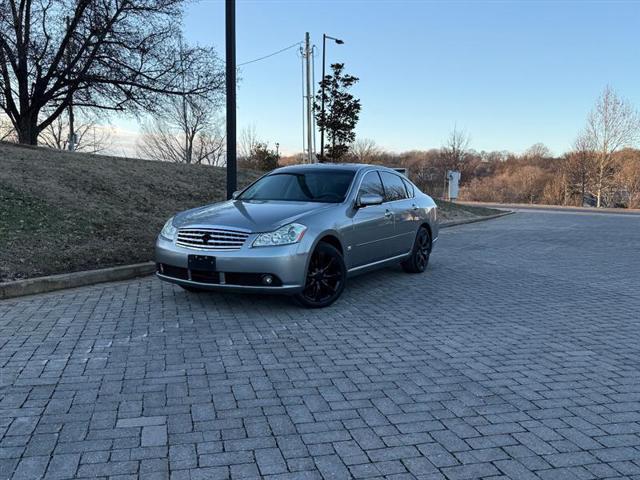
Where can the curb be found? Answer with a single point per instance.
(554, 208)
(455, 223)
(51, 283)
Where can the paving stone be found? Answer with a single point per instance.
(30, 468)
(245, 471)
(475, 470)
(270, 461)
(331, 467)
(141, 421)
(154, 435)
(63, 466)
(183, 456)
(570, 459)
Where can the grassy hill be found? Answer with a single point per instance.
(63, 212)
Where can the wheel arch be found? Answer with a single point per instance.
(332, 239)
(427, 225)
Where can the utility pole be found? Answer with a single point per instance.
(324, 58)
(230, 43)
(307, 55)
(71, 141)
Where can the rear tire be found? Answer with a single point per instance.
(326, 277)
(419, 258)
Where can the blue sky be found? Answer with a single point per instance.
(511, 73)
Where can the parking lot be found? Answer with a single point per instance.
(517, 355)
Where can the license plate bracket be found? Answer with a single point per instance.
(203, 263)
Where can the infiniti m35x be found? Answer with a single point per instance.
(301, 230)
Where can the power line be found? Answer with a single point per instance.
(270, 55)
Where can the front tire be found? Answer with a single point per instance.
(419, 259)
(326, 277)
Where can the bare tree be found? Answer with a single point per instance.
(579, 167)
(91, 137)
(611, 125)
(248, 142)
(7, 133)
(187, 132)
(364, 150)
(98, 54)
(628, 176)
(455, 150)
(538, 151)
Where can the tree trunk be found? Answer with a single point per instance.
(600, 184)
(27, 129)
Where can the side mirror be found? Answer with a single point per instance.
(235, 194)
(369, 199)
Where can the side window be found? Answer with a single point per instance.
(409, 188)
(393, 187)
(371, 184)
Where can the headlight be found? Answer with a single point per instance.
(286, 235)
(169, 231)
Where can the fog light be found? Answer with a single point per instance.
(267, 279)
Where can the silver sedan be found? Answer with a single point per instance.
(301, 230)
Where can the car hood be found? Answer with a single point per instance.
(251, 216)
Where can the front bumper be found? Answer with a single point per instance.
(240, 270)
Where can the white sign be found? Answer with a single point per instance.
(453, 178)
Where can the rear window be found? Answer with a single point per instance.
(394, 188)
(409, 186)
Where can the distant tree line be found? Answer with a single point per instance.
(602, 169)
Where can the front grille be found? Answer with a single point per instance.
(211, 239)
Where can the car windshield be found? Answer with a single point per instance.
(326, 187)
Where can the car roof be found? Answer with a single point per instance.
(328, 167)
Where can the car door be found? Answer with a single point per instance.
(373, 227)
(398, 201)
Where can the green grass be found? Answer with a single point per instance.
(22, 215)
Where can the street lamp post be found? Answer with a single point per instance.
(324, 42)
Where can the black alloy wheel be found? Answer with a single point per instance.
(326, 277)
(419, 259)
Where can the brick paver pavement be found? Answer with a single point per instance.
(517, 355)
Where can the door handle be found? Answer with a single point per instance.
(388, 213)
